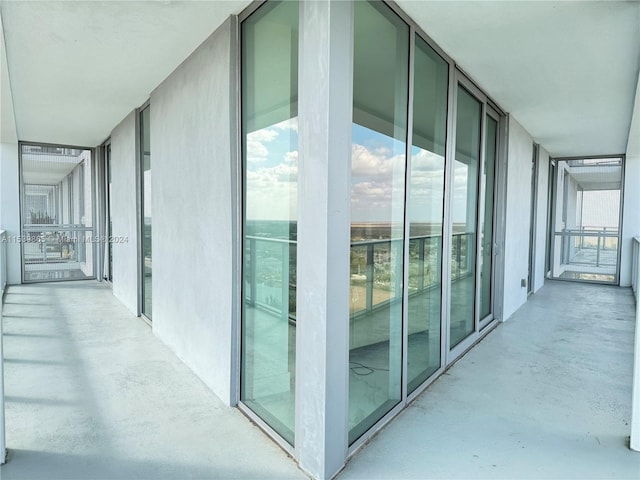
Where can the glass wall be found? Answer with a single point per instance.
(587, 204)
(425, 204)
(380, 92)
(486, 232)
(57, 213)
(270, 152)
(464, 211)
(399, 200)
(145, 177)
(108, 270)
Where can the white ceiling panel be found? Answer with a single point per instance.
(566, 70)
(77, 68)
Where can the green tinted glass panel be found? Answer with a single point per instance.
(486, 234)
(270, 147)
(425, 204)
(145, 134)
(464, 211)
(377, 214)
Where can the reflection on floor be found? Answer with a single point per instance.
(375, 383)
(592, 264)
(148, 293)
(45, 272)
(547, 395)
(268, 373)
(597, 277)
(376, 350)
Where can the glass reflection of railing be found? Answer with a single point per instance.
(270, 275)
(590, 246)
(376, 271)
(376, 268)
(55, 243)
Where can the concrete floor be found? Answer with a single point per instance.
(546, 395)
(91, 393)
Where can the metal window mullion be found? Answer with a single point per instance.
(407, 225)
(494, 212)
(447, 230)
(480, 212)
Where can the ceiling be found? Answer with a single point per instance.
(567, 71)
(597, 177)
(77, 68)
(47, 169)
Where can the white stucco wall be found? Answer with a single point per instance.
(9, 208)
(631, 214)
(192, 198)
(516, 249)
(9, 190)
(123, 177)
(542, 202)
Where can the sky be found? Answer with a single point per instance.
(377, 177)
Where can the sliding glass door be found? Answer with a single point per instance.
(425, 206)
(57, 213)
(424, 159)
(379, 133)
(464, 211)
(487, 218)
(270, 148)
(146, 211)
(586, 223)
(107, 191)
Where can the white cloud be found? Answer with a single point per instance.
(257, 151)
(262, 135)
(291, 157)
(272, 192)
(291, 124)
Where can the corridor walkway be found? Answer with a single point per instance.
(547, 395)
(91, 393)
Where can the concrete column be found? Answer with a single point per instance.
(322, 342)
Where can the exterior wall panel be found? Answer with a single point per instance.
(520, 146)
(125, 254)
(541, 219)
(192, 203)
(10, 208)
(631, 215)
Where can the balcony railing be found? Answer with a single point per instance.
(270, 274)
(590, 247)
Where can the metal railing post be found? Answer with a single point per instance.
(252, 272)
(284, 300)
(369, 279)
(397, 291)
(598, 251)
(421, 244)
(458, 248)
